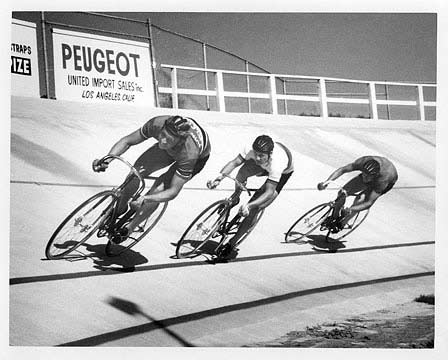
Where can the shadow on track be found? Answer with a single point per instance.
(153, 325)
(126, 262)
(129, 267)
(133, 309)
(320, 243)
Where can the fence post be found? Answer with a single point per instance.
(372, 101)
(204, 55)
(323, 99)
(421, 102)
(153, 63)
(285, 102)
(249, 106)
(45, 55)
(220, 91)
(273, 94)
(174, 88)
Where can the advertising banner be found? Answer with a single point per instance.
(24, 66)
(93, 68)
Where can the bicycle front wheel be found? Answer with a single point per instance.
(138, 234)
(82, 222)
(308, 222)
(201, 230)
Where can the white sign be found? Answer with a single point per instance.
(94, 68)
(24, 66)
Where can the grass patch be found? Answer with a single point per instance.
(427, 299)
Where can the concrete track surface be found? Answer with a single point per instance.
(147, 297)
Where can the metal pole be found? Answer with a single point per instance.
(249, 106)
(285, 102)
(323, 99)
(387, 105)
(372, 100)
(204, 55)
(421, 103)
(44, 44)
(153, 63)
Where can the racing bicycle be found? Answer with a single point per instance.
(99, 214)
(322, 220)
(209, 231)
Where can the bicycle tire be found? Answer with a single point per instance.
(96, 212)
(138, 234)
(349, 227)
(259, 215)
(197, 235)
(296, 233)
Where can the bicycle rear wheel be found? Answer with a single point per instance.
(202, 229)
(352, 224)
(82, 222)
(138, 234)
(308, 222)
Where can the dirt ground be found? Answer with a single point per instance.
(408, 325)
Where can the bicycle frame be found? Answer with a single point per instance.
(117, 190)
(191, 242)
(226, 226)
(111, 221)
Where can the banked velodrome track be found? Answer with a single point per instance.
(147, 297)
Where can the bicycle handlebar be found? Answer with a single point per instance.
(132, 170)
(241, 185)
(329, 182)
(337, 187)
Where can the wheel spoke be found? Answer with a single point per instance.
(350, 226)
(79, 225)
(307, 223)
(138, 234)
(200, 231)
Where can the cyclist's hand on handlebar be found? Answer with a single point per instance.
(346, 212)
(99, 166)
(137, 204)
(244, 210)
(211, 184)
(322, 186)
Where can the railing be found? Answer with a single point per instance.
(276, 95)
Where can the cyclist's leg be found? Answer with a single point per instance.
(252, 217)
(151, 160)
(162, 183)
(249, 221)
(351, 188)
(148, 208)
(355, 187)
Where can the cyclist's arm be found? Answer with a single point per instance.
(367, 203)
(122, 145)
(265, 196)
(231, 165)
(342, 170)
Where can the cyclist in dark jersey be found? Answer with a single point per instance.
(378, 176)
(181, 144)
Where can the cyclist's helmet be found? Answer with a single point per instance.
(263, 144)
(177, 126)
(371, 167)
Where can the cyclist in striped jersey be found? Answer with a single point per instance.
(182, 145)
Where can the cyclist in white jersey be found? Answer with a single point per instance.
(262, 158)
